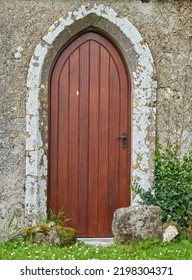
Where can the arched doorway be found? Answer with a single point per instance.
(89, 134)
(143, 85)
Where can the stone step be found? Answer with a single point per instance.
(97, 241)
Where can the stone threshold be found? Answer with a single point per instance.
(97, 241)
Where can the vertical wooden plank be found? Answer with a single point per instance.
(63, 140)
(124, 127)
(114, 143)
(73, 139)
(93, 139)
(83, 140)
(103, 210)
(129, 136)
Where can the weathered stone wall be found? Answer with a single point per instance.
(166, 26)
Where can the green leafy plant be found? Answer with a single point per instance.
(171, 189)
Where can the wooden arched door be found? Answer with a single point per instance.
(89, 109)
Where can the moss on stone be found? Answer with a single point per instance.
(28, 233)
(67, 235)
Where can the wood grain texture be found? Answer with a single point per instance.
(89, 107)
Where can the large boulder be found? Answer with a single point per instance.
(136, 223)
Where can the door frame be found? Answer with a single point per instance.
(138, 59)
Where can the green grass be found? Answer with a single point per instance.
(146, 250)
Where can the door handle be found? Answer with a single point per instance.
(124, 140)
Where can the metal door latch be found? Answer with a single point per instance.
(124, 140)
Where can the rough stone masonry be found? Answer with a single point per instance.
(166, 27)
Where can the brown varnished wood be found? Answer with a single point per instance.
(114, 144)
(89, 107)
(83, 138)
(93, 178)
(103, 152)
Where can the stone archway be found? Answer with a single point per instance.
(140, 62)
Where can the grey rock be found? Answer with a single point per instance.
(50, 237)
(47, 237)
(51, 234)
(170, 233)
(137, 222)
